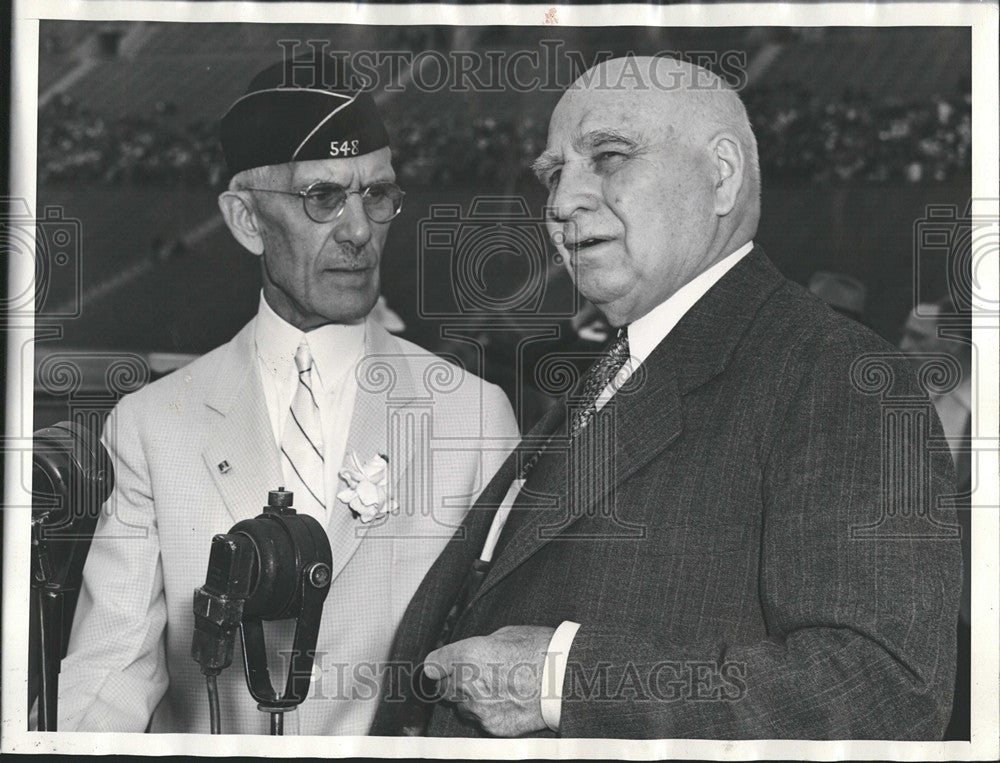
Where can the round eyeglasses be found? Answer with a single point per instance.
(324, 201)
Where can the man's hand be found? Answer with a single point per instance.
(496, 679)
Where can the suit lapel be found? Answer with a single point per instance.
(571, 478)
(377, 407)
(642, 419)
(240, 452)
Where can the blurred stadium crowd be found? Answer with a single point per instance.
(802, 136)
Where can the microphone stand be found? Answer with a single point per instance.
(71, 477)
(49, 595)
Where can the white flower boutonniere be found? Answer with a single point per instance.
(366, 491)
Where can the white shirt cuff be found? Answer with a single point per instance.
(554, 671)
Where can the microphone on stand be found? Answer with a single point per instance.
(71, 478)
(276, 566)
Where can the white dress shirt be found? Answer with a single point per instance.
(336, 350)
(644, 334)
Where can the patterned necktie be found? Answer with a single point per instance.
(597, 378)
(302, 441)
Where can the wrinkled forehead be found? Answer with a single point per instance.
(630, 111)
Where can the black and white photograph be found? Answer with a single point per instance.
(502, 381)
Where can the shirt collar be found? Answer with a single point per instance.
(645, 333)
(334, 347)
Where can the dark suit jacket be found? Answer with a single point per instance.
(745, 557)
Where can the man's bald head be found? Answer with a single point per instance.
(674, 97)
(655, 156)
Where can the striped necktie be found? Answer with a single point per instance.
(302, 441)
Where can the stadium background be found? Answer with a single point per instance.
(859, 130)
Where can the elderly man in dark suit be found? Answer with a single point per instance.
(712, 537)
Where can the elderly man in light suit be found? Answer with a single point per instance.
(306, 396)
(696, 543)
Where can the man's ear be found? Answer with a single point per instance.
(730, 165)
(238, 212)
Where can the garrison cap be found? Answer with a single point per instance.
(301, 109)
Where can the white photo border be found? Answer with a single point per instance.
(981, 18)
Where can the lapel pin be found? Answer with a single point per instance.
(224, 467)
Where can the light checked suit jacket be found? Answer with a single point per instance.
(748, 534)
(445, 432)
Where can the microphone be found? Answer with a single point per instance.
(218, 605)
(71, 478)
(276, 566)
(71, 475)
